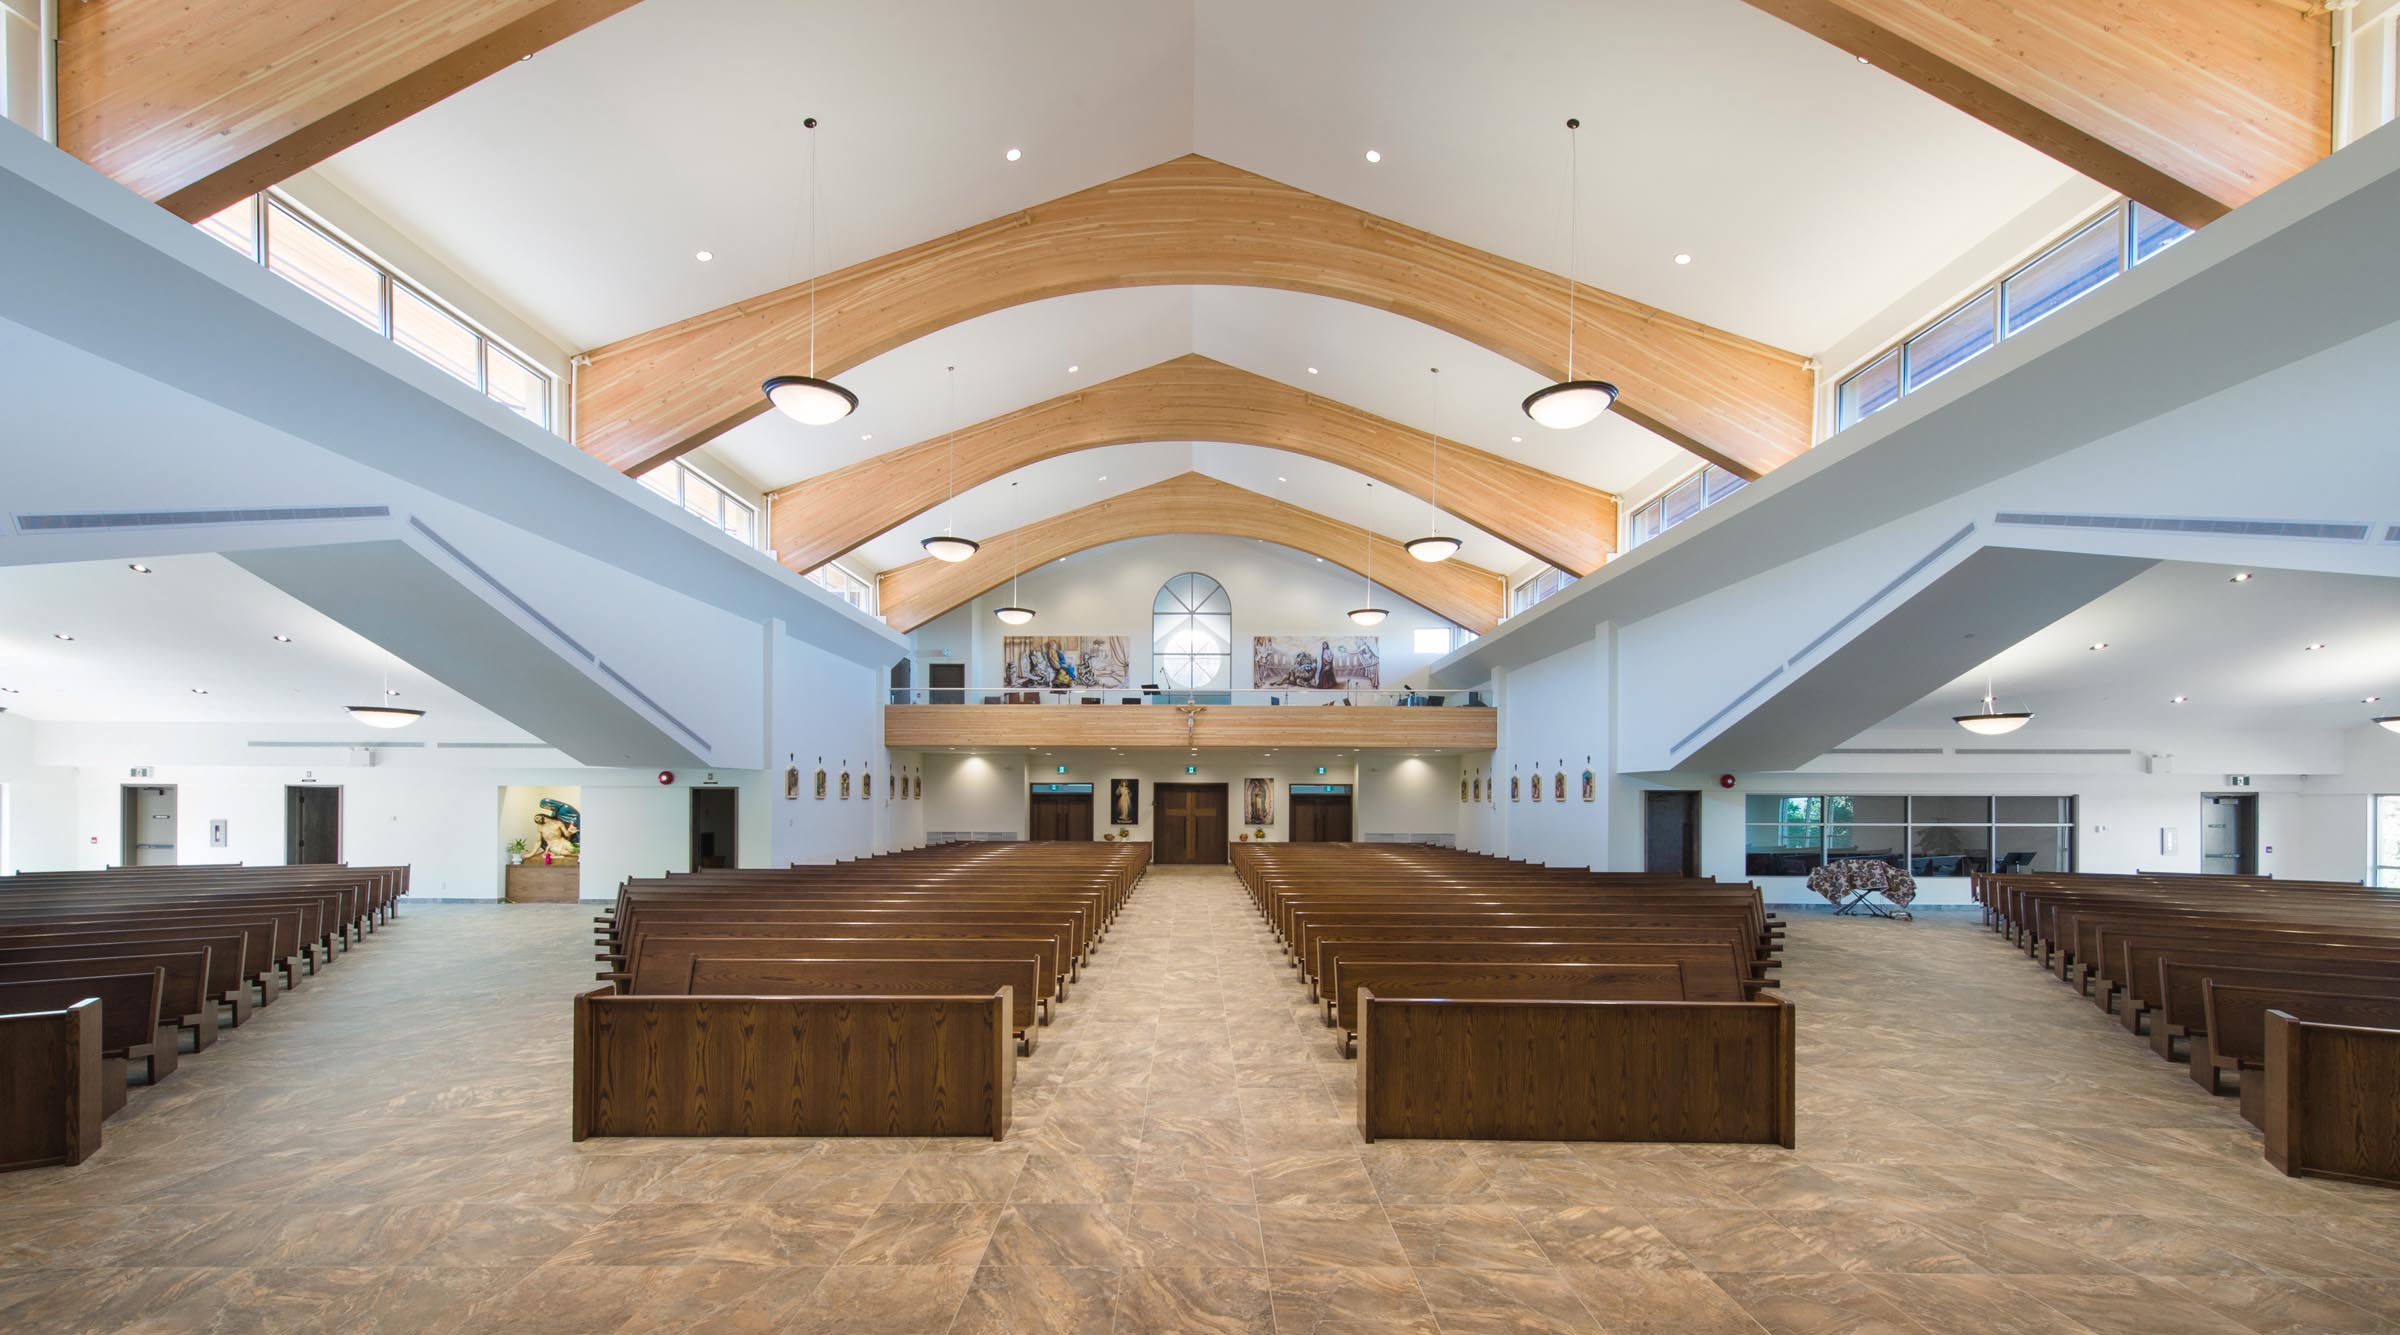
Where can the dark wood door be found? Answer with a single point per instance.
(1061, 816)
(1320, 818)
(716, 821)
(1188, 823)
(945, 679)
(312, 826)
(1671, 833)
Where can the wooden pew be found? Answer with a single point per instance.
(183, 993)
(2237, 1024)
(129, 1010)
(661, 965)
(1706, 970)
(2333, 1100)
(1503, 980)
(792, 1066)
(723, 977)
(2180, 971)
(50, 1086)
(229, 996)
(1576, 1070)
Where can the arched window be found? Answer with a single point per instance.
(1191, 634)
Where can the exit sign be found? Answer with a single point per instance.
(1191, 769)
(1062, 769)
(1320, 769)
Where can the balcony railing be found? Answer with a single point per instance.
(1152, 695)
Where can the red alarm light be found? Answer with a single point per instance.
(668, 776)
(1724, 781)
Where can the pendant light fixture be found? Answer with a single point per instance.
(1571, 403)
(1370, 615)
(2389, 722)
(385, 715)
(1993, 721)
(1433, 546)
(804, 398)
(1016, 613)
(947, 545)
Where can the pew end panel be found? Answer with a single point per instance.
(1692, 1071)
(51, 1100)
(653, 1065)
(2333, 1101)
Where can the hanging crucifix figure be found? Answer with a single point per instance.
(1191, 719)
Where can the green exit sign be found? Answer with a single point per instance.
(1191, 769)
(1320, 769)
(1062, 769)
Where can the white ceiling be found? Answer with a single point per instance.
(2181, 629)
(1810, 189)
(143, 643)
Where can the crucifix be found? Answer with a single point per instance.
(1191, 718)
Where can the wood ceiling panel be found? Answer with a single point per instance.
(2193, 107)
(1739, 403)
(1561, 521)
(916, 593)
(198, 104)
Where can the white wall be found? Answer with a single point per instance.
(1109, 591)
(1393, 794)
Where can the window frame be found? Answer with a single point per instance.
(1655, 508)
(1824, 851)
(1189, 616)
(2380, 873)
(727, 500)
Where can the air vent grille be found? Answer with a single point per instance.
(2042, 751)
(1886, 751)
(1880, 594)
(2392, 534)
(338, 745)
(1732, 705)
(124, 519)
(2321, 530)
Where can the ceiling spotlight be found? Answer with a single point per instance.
(2180, 699)
(138, 568)
(704, 256)
(1864, 61)
(804, 398)
(1015, 153)
(1516, 440)
(2239, 577)
(199, 690)
(1104, 477)
(1073, 369)
(1683, 259)
(62, 635)
(2370, 699)
(1992, 721)
(1571, 403)
(1312, 370)
(1373, 156)
(2099, 645)
(389, 692)
(2312, 648)
(1281, 478)
(283, 639)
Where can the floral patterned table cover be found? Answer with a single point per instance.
(1838, 881)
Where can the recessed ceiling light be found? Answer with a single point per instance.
(10, 690)
(1373, 156)
(283, 639)
(2239, 577)
(1104, 477)
(2365, 700)
(1516, 440)
(1864, 61)
(2099, 644)
(2312, 648)
(1073, 369)
(199, 690)
(1015, 153)
(1683, 259)
(137, 568)
(389, 691)
(61, 635)
(2181, 699)
(1281, 478)
(704, 256)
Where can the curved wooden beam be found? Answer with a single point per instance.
(2193, 107)
(1736, 402)
(1561, 521)
(197, 105)
(916, 593)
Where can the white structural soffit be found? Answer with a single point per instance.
(2303, 268)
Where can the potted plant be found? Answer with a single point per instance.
(516, 852)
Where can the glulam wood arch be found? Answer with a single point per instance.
(1737, 402)
(916, 593)
(1567, 523)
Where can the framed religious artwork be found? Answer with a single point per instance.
(845, 785)
(791, 783)
(1591, 789)
(1558, 786)
(1537, 785)
(820, 785)
(1513, 790)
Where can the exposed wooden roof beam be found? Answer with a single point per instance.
(197, 105)
(2193, 107)
(1736, 402)
(1566, 523)
(916, 593)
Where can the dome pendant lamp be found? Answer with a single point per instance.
(1571, 403)
(1433, 546)
(1992, 721)
(947, 545)
(385, 715)
(804, 398)
(1016, 613)
(1370, 615)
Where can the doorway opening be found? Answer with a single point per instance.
(1188, 821)
(1321, 813)
(1671, 833)
(716, 825)
(312, 825)
(2229, 834)
(947, 683)
(146, 826)
(1060, 812)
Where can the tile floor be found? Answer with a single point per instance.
(386, 1151)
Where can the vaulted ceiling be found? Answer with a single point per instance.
(1809, 189)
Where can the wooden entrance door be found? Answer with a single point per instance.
(1188, 823)
(312, 825)
(1060, 816)
(1671, 833)
(1320, 818)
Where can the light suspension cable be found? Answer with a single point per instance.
(804, 398)
(1433, 546)
(1016, 613)
(386, 714)
(1992, 721)
(1370, 614)
(947, 545)
(1571, 403)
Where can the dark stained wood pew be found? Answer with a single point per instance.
(792, 1066)
(229, 983)
(722, 977)
(2180, 970)
(183, 993)
(1515, 927)
(1503, 980)
(2237, 1024)
(129, 1032)
(661, 964)
(1706, 970)
(2333, 1100)
(1576, 1070)
(51, 1086)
